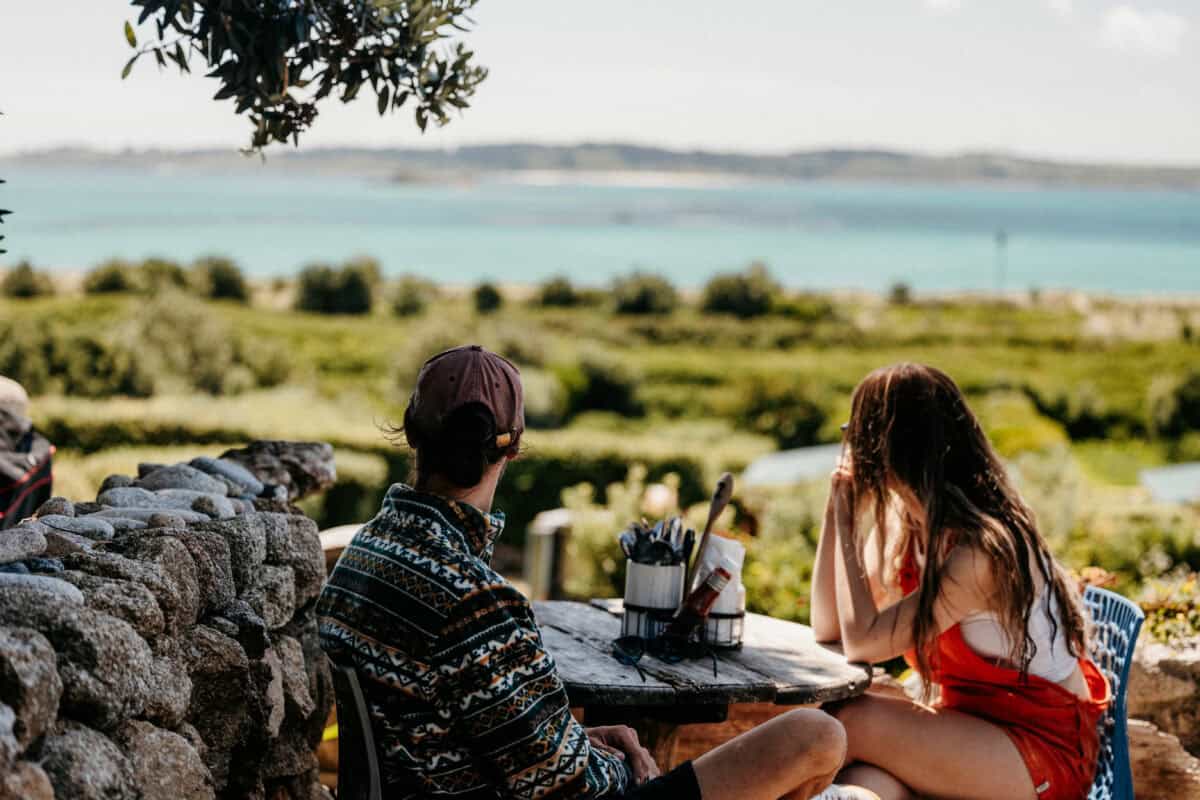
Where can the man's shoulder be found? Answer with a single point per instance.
(408, 550)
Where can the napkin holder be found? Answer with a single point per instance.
(725, 626)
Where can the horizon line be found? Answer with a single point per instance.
(862, 149)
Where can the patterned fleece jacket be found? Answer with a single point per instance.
(464, 701)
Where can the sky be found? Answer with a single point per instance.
(1080, 80)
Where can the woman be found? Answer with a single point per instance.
(959, 580)
(464, 700)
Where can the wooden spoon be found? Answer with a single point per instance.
(720, 499)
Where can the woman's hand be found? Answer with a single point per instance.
(841, 495)
(824, 615)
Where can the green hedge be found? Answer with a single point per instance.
(599, 451)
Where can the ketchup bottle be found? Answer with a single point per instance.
(697, 605)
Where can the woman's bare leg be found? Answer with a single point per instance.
(933, 753)
(792, 756)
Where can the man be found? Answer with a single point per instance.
(25, 457)
(465, 702)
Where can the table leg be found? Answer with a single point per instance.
(660, 738)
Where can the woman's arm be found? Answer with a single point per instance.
(823, 603)
(871, 634)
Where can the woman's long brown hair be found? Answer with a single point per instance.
(912, 433)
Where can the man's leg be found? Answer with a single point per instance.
(793, 756)
(867, 781)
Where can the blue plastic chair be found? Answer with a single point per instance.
(1116, 624)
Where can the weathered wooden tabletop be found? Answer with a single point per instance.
(780, 662)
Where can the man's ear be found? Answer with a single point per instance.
(514, 449)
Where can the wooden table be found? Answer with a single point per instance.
(780, 662)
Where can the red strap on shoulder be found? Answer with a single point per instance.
(910, 573)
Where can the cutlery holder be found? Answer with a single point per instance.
(652, 595)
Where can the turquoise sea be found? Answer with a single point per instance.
(817, 235)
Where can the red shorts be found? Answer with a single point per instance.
(1057, 734)
(1059, 773)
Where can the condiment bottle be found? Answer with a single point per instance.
(697, 605)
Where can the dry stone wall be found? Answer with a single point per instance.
(1164, 688)
(159, 643)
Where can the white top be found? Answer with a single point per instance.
(1052, 661)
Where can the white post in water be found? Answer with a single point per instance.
(1001, 258)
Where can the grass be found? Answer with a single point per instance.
(1063, 390)
(1119, 462)
(78, 476)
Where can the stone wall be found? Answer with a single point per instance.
(159, 643)
(1164, 697)
(1164, 688)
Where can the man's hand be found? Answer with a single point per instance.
(622, 741)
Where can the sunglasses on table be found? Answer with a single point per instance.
(629, 650)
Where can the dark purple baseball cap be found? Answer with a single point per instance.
(469, 374)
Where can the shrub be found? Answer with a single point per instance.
(1173, 608)
(1186, 448)
(1083, 411)
(1175, 405)
(641, 293)
(412, 295)
(359, 279)
(25, 356)
(598, 382)
(900, 294)
(23, 281)
(558, 292)
(810, 308)
(487, 298)
(84, 365)
(595, 566)
(1013, 424)
(513, 340)
(782, 410)
(745, 294)
(348, 290)
(110, 277)
(315, 286)
(161, 274)
(545, 398)
(91, 367)
(192, 348)
(219, 278)
(424, 340)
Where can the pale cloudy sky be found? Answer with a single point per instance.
(1075, 79)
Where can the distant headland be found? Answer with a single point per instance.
(620, 162)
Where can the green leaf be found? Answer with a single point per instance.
(128, 68)
(383, 100)
(129, 35)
